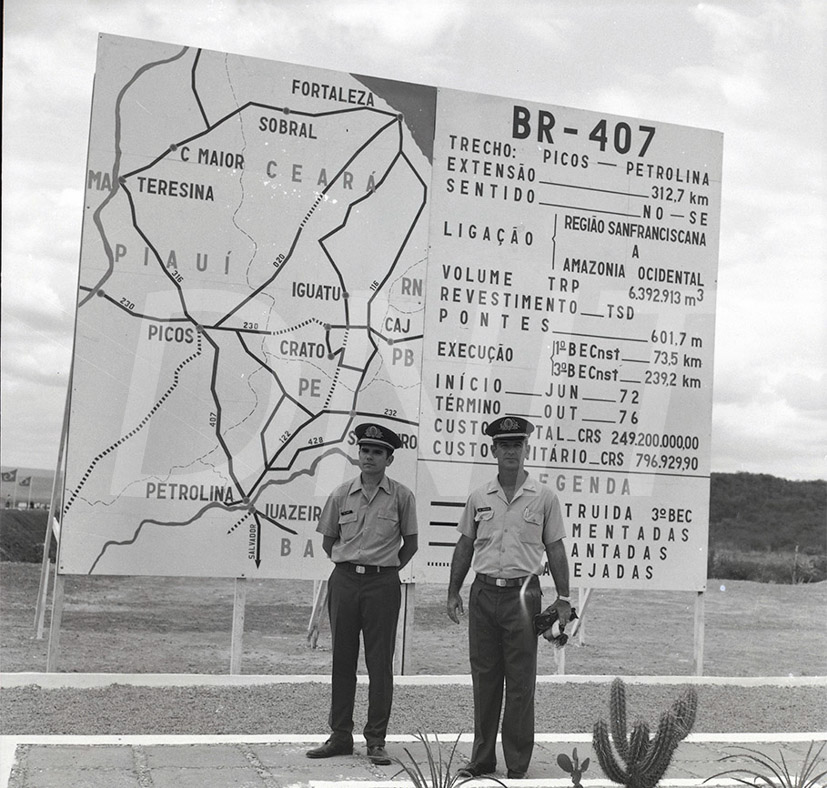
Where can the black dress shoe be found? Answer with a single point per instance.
(475, 770)
(378, 755)
(331, 748)
(512, 775)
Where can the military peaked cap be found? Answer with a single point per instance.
(378, 436)
(508, 428)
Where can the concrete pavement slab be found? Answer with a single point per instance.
(232, 762)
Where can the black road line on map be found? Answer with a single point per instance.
(266, 427)
(266, 366)
(217, 401)
(288, 255)
(140, 315)
(120, 182)
(155, 254)
(394, 419)
(257, 518)
(195, 87)
(275, 408)
(250, 387)
(372, 331)
(266, 363)
(168, 524)
(109, 449)
(110, 258)
(272, 521)
(363, 370)
(350, 208)
(311, 471)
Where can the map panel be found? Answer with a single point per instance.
(254, 249)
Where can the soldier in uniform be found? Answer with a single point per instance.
(369, 530)
(507, 527)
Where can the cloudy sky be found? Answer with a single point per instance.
(754, 70)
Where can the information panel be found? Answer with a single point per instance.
(273, 253)
(571, 280)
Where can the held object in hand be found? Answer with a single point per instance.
(548, 620)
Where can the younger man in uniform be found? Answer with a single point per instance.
(369, 530)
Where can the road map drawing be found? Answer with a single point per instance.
(250, 287)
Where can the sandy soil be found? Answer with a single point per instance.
(183, 625)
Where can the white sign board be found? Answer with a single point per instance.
(273, 253)
(572, 280)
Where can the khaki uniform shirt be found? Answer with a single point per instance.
(368, 532)
(510, 538)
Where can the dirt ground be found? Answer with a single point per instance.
(183, 625)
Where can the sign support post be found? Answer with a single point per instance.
(319, 602)
(699, 634)
(53, 523)
(239, 610)
(402, 664)
(54, 624)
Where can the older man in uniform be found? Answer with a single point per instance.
(507, 527)
(369, 530)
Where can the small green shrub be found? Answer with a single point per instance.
(439, 769)
(766, 566)
(771, 773)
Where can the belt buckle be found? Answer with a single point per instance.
(501, 582)
(360, 570)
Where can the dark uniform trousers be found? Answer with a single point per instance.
(366, 603)
(503, 649)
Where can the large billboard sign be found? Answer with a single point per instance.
(272, 253)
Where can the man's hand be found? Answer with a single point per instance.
(454, 607)
(563, 609)
(551, 623)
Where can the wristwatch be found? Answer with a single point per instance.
(564, 598)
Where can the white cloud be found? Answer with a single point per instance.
(412, 26)
(752, 70)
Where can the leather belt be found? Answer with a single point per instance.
(503, 582)
(366, 569)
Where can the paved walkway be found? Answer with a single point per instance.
(276, 762)
(148, 761)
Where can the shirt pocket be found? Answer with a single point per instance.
(348, 525)
(531, 527)
(387, 520)
(484, 521)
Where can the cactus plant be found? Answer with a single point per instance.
(573, 767)
(644, 760)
